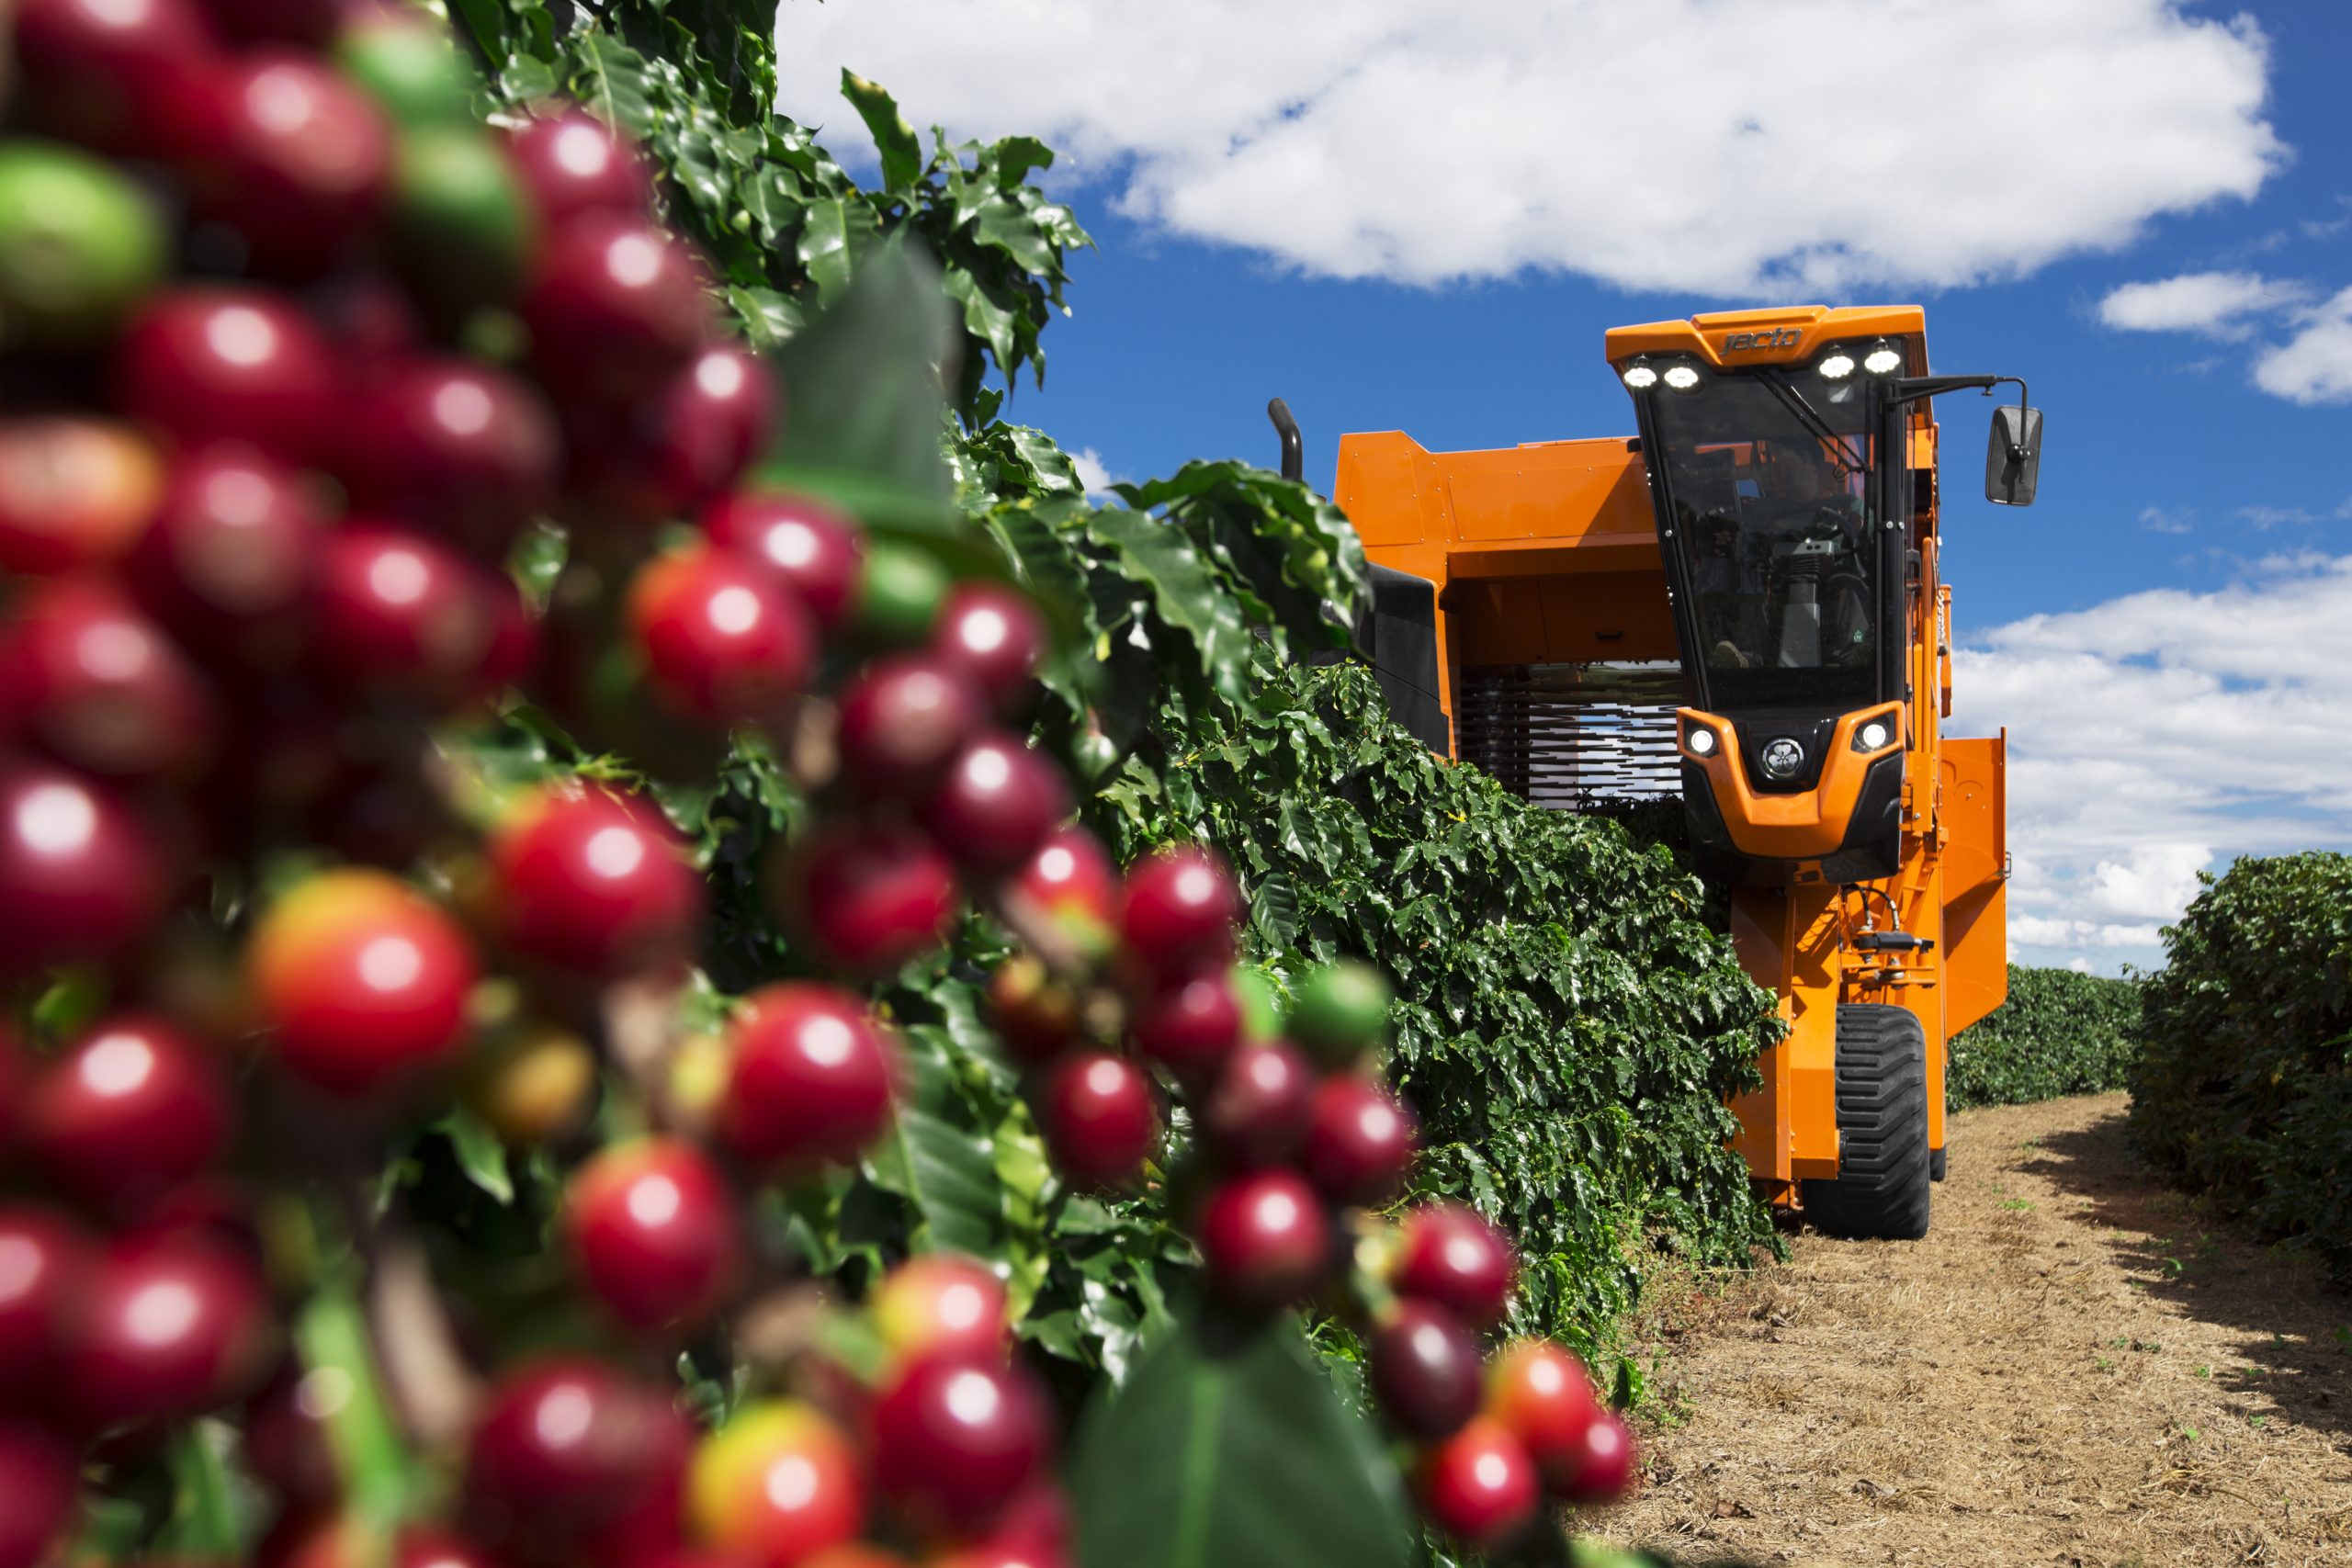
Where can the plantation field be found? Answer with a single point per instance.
(2078, 1366)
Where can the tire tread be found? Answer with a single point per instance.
(1884, 1188)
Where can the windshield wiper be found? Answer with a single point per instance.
(1795, 402)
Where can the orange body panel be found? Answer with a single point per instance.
(1547, 553)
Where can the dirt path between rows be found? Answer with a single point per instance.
(2076, 1367)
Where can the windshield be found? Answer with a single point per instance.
(1769, 478)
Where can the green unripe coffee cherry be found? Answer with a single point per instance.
(409, 68)
(1340, 1010)
(1261, 1007)
(465, 232)
(80, 244)
(900, 590)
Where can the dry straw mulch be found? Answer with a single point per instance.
(2077, 1367)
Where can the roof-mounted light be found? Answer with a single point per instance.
(1640, 376)
(1835, 365)
(1682, 378)
(1885, 359)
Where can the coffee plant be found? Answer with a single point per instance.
(2244, 1085)
(2058, 1032)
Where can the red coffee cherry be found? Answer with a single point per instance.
(817, 549)
(1478, 1486)
(456, 448)
(1098, 1118)
(596, 883)
(286, 1441)
(617, 310)
(125, 77)
(1179, 905)
(1265, 1240)
(38, 1479)
(97, 683)
(996, 803)
(81, 876)
(903, 721)
(228, 564)
(994, 634)
(73, 492)
(1425, 1369)
(1360, 1142)
(403, 612)
(303, 162)
(205, 364)
(131, 1110)
(362, 981)
(651, 1229)
(707, 427)
(175, 1324)
(1256, 1112)
(868, 898)
(1190, 1025)
(955, 1440)
(312, 23)
(1447, 1253)
(721, 641)
(943, 1305)
(45, 1264)
(572, 164)
(1066, 894)
(810, 1080)
(1544, 1396)
(776, 1486)
(568, 1454)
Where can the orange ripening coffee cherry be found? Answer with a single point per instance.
(1066, 894)
(73, 492)
(816, 550)
(777, 1485)
(1179, 905)
(810, 1079)
(1542, 1394)
(1446, 1253)
(941, 1304)
(1265, 1240)
(1099, 1119)
(1359, 1141)
(131, 1111)
(1478, 1486)
(1036, 1015)
(596, 883)
(1425, 1369)
(721, 641)
(652, 1230)
(956, 1441)
(361, 981)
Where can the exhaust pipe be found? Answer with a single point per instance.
(1294, 449)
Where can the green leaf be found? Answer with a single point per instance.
(938, 1160)
(379, 1474)
(479, 1154)
(823, 247)
(1228, 1449)
(863, 382)
(215, 1511)
(1184, 590)
(894, 139)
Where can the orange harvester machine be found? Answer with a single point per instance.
(1741, 605)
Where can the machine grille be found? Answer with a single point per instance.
(1569, 735)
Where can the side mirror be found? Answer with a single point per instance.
(2012, 455)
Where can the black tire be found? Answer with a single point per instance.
(1882, 1186)
(1935, 1165)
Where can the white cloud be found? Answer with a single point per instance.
(2316, 365)
(2159, 735)
(1735, 147)
(2215, 303)
(2157, 520)
(1090, 471)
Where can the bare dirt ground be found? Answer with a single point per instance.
(2077, 1367)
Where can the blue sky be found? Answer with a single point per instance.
(1398, 217)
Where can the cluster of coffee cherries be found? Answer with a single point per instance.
(1297, 1141)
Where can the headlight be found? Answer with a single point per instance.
(1702, 742)
(1682, 378)
(1639, 378)
(1837, 366)
(1871, 736)
(1883, 360)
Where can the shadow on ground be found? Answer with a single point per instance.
(2296, 1324)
